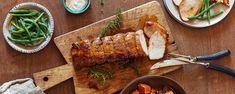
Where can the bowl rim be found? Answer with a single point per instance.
(77, 11)
(150, 76)
(43, 44)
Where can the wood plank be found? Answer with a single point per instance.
(51, 77)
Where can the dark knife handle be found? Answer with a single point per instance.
(216, 55)
(221, 68)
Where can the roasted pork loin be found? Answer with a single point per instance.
(118, 47)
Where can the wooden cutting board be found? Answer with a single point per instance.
(49, 78)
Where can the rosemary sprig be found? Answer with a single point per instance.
(129, 64)
(100, 73)
(112, 25)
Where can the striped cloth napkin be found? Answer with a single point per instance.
(20, 86)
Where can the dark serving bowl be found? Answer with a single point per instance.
(155, 82)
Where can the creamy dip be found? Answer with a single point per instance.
(76, 4)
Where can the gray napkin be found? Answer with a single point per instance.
(20, 86)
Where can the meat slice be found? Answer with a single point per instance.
(120, 47)
(108, 49)
(139, 48)
(157, 46)
(189, 8)
(142, 40)
(131, 45)
(152, 27)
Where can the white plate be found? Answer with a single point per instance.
(173, 10)
(21, 48)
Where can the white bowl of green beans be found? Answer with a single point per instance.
(28, 27)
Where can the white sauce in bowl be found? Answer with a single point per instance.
(75, 5)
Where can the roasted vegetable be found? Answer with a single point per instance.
(136, 92)
(225, 2)
(147, 89)
(144, 88)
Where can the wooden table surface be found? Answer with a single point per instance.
(195, 79)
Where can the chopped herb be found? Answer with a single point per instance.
(101, 73)
(112, 25)
(130, 64)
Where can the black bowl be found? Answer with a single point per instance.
(155, 82)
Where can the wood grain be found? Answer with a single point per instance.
(51, 77)
(195, 79)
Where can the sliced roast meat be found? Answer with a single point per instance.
(157, 46)
(142, 41)
(139, 48)
(189, 8)
(152, 27)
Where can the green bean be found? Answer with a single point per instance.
(43, 24)
(25, 28)
(16, 26)
(26, 40)
(16, 32)
(208, 12)
(29, 26)
(202, 7)
(201, 13)
(12, 32)
(39, 16)
(44, 27)
(28, 14)
(28, 29)
(36, 19)
(37, 27)
(34, 35)
(212, 15)
(20, 11)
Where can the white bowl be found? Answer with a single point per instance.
(174, 12)
(21, 48)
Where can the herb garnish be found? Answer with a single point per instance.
(101, 73)
(130, 64)
(112, 25)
